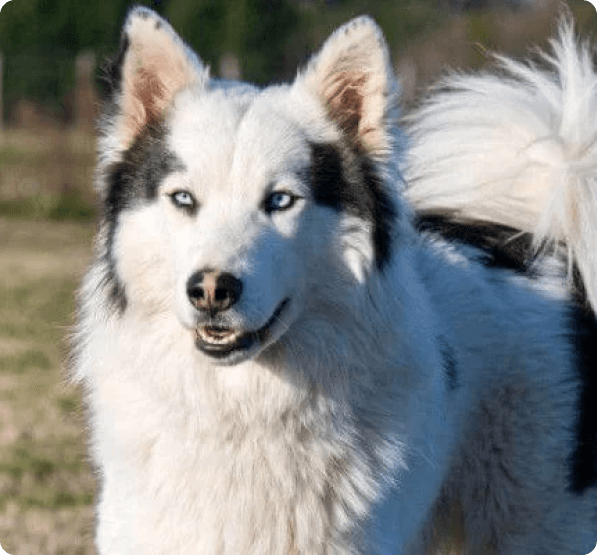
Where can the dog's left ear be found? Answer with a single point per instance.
(353, 78)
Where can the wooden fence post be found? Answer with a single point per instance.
(85, 98)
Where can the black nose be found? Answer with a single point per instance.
(213, 291)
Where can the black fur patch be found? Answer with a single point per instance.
(579, 289)
(143, 167)
(450, 364)
(348, 182)
(500, 246)
(134, 180)
(584, 459)
(116, 292)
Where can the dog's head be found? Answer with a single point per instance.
(234, 205)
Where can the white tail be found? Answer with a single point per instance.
(516, 147)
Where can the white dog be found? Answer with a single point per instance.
(286, 351)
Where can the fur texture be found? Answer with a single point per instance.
(282, 357)
(519, 148)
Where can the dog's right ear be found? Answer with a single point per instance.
(153, 64)
(353, 78)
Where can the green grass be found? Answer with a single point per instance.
(69, 404)
(45, 475)
(31, 359)
(39, 309)
(64, 206)
(47, 175)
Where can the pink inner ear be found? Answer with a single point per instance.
(345, 101)
(145, 97)
(155, 71)
(150, 92)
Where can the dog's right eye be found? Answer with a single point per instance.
(279, 201)
(183, 200)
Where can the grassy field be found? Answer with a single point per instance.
(46, 486)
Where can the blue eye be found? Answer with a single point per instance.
(183, 200)
(278, 201)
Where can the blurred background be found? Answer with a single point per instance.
(50, 89)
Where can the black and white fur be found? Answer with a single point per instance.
(284, 355)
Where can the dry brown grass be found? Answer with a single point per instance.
(45, 162)
(46, 487)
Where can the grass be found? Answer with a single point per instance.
(47, 174)
(63, 206)
(46, 485)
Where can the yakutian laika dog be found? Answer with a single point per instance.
(288, 351)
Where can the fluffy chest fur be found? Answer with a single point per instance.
(248, 459)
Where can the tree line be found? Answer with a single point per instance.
(39, 39)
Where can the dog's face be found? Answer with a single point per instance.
(228, 204)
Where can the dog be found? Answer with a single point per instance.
(310, 328)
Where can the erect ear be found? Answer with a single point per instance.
(153, 64)
(353, 78)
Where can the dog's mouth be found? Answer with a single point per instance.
(225, 343)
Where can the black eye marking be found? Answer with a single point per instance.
(184, 201)
(278, 201)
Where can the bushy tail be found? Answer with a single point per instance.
(516, 147)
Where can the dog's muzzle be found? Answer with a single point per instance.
(221, 342)
(212, 293)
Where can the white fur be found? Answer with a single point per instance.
(518, 147)
(341, 434)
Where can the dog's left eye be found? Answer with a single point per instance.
(278, 201)
(183, 199)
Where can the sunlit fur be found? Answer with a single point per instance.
(409, 399)
(516, 146)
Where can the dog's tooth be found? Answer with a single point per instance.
(203, 334)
